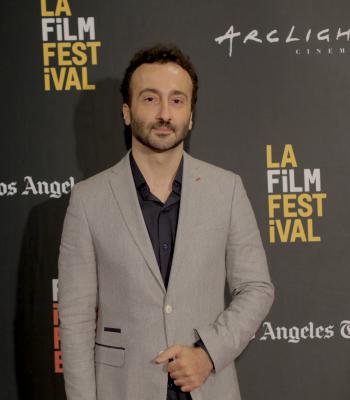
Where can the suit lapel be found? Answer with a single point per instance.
(124, 191)
(188, 214)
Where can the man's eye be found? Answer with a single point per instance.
(150, 99)
(178, 101)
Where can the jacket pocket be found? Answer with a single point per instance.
(109, 355)
(114, 330)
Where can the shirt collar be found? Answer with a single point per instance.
(141, 184)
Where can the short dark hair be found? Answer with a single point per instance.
(162, 54)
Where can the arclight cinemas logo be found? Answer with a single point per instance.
(333, 38)
(310, 331)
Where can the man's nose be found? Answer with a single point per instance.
(164, 110)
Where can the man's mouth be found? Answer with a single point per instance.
(163, 128)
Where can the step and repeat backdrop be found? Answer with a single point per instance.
(274, 96)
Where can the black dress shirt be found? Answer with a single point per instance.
(161, 222)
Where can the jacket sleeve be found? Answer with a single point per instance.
(77, 293)
(250, 286)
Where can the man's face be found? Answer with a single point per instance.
(160, 111)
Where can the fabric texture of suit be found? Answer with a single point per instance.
(115, 313)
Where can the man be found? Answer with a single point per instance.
(147, 249)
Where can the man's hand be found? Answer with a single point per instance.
(189, 368)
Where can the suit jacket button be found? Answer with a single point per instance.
(168, 309)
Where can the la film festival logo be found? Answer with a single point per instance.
(307, 41)
(69, 47)
(57, 353)
(294, 205)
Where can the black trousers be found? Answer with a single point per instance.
(175, 393)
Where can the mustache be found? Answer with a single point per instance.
(164, 124)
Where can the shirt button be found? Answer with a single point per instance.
(168, 309)
(165, 246)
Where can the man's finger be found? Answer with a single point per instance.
(180, 382)
(173, 366)
(178, 374)
(167, 354)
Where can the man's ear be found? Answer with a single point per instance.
(191, 122)
(126, 114)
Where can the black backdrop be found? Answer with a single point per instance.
(291, 91)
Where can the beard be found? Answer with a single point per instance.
(159, 141)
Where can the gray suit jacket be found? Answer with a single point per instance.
(116, 315)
